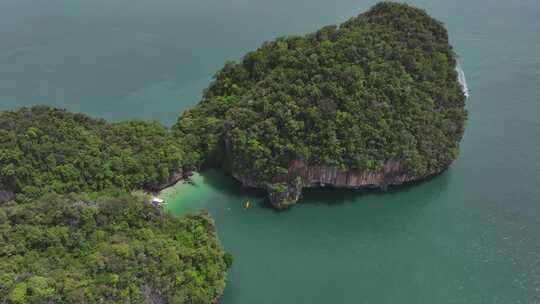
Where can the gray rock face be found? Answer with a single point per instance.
(392, 173)
(6, 196)
(173, 179)
(302, 175)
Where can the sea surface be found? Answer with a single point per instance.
(470, 235)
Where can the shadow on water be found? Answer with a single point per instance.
(340, 196)
(224, 183)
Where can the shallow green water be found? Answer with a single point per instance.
(471, 235)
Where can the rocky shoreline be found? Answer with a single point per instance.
(171, 181)
(302, 175)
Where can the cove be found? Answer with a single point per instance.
(415, 242)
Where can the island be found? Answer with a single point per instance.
(371, 103)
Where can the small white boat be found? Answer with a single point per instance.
(156, 201)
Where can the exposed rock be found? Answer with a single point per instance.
(171, 181)
(152, 295)
(302, 175)
(6, 196)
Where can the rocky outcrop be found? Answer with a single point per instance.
(6, 196)
(152, 295)
(301, 175)
(171, 181)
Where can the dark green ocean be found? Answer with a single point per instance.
(470, 235)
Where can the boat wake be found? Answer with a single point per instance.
(462, 80)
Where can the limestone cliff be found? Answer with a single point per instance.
(301, 175)
(171, 180)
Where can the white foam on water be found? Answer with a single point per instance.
(462, 80)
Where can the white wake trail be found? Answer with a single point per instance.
(462, 80)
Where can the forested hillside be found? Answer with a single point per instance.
(382, 87)
(68, 249)
(43, 149)
(96, 243)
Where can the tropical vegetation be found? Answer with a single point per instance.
(69, 249)
(381, 86)
(43, 149)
